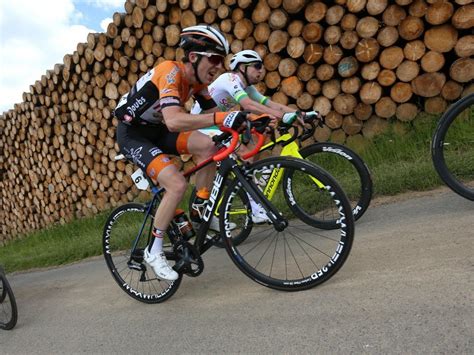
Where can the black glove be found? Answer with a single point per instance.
(259, 122)
(235, 120)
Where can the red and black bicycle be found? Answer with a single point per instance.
(290, 252)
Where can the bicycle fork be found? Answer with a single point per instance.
(262, 198)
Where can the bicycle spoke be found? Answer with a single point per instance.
(301, 255)
(294, 258)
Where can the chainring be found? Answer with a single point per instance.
(188, 260)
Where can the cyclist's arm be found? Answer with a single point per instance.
(248, 104)
(279, 107)
(177, 119)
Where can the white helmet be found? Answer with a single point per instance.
(204, 38)
(246, 56)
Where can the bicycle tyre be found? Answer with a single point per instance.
(130, 272)
(8, 307)
(356, 180)
(440, 143)
(313, 267)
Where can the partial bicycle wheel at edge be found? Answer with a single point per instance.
(128, 268)
(452, 148)
(8, 308)
(347, 168)
(301, 256)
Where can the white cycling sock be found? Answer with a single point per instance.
(156, 244)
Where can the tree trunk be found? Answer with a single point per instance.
(441, 38)
(429, 84)
(370, 92)
(462, 70)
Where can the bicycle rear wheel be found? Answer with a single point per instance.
(301, 256)
(348, 169)
(126, 263)
(452, 148)
(8, 308)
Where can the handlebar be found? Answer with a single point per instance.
(261, 140)
(307, 132)
(225, 152)
(294, 134)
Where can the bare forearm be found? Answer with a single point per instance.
(279, 107)
(178, 121)
(258, 108)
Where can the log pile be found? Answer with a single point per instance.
(358, 62)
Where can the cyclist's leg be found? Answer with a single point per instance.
(146, 147)
(201, 147)
(143, 145)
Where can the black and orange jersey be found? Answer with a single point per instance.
(165, 85)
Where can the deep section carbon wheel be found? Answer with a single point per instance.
(347, 168)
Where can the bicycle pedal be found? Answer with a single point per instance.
(135, 266)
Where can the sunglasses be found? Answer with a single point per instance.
(214, 59)
(256, 65)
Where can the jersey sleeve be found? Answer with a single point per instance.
(167, 79)
(256, 96)
(231, 83)
(204, 99)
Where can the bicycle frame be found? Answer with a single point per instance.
(289, 148)
(227, 166)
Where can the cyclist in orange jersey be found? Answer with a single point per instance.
(154, 123)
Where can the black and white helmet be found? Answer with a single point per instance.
(246, 56)
(204, 38)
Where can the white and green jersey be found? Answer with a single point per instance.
(228, 90)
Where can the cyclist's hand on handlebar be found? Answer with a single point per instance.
(263, 122)
(289, 117)
(313, 115)
(236, 120)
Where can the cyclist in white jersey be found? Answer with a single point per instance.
(237, 88)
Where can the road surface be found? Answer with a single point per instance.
(407, 287)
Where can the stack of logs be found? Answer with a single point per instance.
(359, 62)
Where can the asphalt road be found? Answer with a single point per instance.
(407, 287)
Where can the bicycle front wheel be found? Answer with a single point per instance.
(301, 256)
(8, 309)
(452, 148)
(348, 169)
(242, 216)
(126, 226)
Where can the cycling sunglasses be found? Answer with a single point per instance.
(256, 65)
(214, 59)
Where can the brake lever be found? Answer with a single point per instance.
(273, 136)
(307, 132)
(246, 137)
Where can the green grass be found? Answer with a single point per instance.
(399, 160)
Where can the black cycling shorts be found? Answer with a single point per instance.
(144, 143)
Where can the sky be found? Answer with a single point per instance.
(36, 34)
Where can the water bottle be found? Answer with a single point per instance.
(184, 225)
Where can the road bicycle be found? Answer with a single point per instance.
(8, 309)
(290, 253)
(452, 147)
(341, 162)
